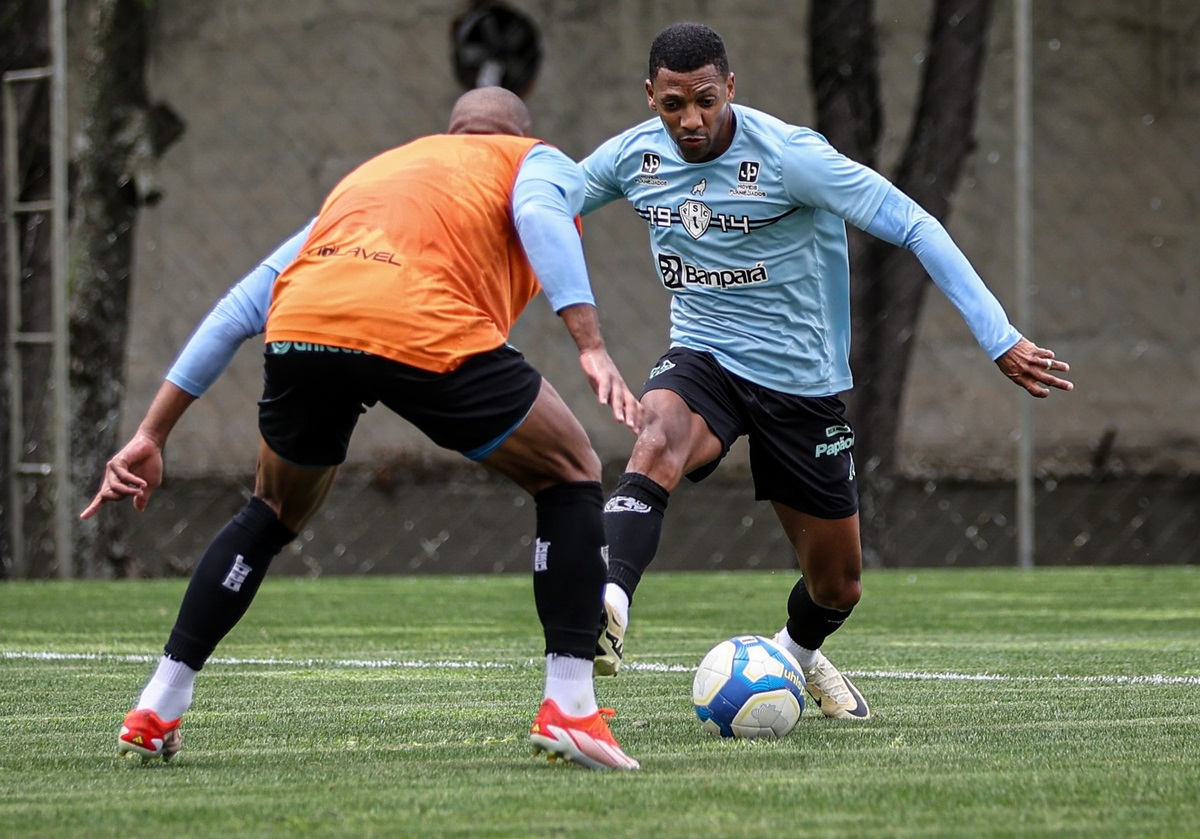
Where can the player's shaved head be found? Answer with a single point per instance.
(490, 110)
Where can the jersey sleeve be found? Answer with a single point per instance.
(903, 222)
(600, 174)
(547, 197)
(240, 314)
(285, 253)
(817, 175)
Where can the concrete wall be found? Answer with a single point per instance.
(283, 97)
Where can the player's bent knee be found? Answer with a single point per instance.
(576, 464)
(653, 443)
(655, 455)
(568, 458)
(842, 595)
(534, 468)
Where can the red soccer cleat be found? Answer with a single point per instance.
(144, 733)
(584, 740)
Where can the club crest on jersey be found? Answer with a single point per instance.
(694, 216)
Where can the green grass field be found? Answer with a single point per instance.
(1059, 702)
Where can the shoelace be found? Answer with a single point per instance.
(841, 693)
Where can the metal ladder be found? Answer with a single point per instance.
(18, 340)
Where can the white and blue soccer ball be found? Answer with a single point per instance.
(748, 687)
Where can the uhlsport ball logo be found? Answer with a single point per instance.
(748, 687)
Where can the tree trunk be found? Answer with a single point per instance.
(889, 285)
(122, 137)
(24, 44)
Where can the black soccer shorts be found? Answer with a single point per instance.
(801, 447)
(313, 396)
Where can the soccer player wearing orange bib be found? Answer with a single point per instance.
(404, 293)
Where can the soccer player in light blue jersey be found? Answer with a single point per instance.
(746, 215)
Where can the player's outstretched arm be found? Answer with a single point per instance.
(238, 316)
(583, 322)
(546, 197)
(137, 469)
(901, 221)
(1033, 368)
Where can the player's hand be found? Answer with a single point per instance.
(1033, 368)
(610, 387)
(136, 470)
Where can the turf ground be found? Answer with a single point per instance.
(1057, 702)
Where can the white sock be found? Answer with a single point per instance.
(169, 691)
(616, 597)
(804, 656)
(569, 684)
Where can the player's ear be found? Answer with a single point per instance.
(650, 95)
(729, 86)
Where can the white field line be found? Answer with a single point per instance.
(655, 667)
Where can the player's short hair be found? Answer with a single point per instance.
(684, 47)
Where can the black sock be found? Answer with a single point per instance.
(810, 624)
(568, 569)
(225, 582)
(633, 519)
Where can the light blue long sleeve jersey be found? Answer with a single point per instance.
(547, 196)
(752, 246)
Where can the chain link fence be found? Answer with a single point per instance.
(282, 97)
